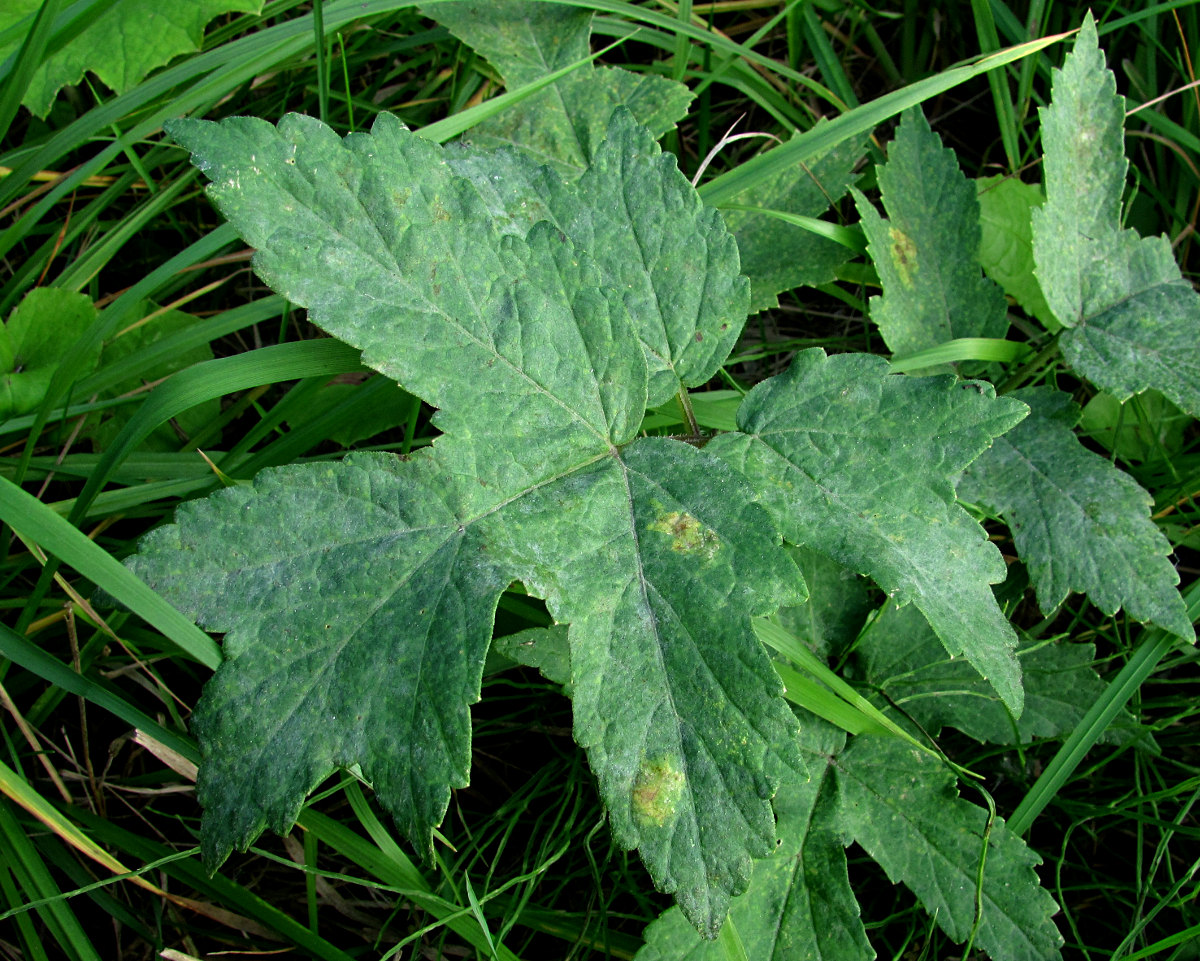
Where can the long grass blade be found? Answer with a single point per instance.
(723, 189)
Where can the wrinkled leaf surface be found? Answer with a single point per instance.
(1079, 523)
(858, 464)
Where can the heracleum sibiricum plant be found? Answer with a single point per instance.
(541, 309)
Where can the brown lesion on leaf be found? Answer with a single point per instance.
(657, 790)
(688, 535)
(904, 255)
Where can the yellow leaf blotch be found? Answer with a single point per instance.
(656, 791)
(904, 255)
(688, 535)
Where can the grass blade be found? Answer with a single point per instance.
(1156, 644)
(36, 523)
(857, 122)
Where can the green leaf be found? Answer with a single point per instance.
(671, 257)
(859, 464)
(563, 125)
(928, 838)
(799, 906)
(121, 45)
(901, 656)
(523, 41)
(1006, 207)
(653, 551)
(334, 221)
(1133, 317)
(674, 698)
(39, 331)
(358, 609)
(777, 256)
(1079, 523)
(926, 253)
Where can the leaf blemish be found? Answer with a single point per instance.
(688, 535)
(656, 791)
(904, 255)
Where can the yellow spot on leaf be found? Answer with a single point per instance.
(904, 255)
(688, 535)
(656, 791)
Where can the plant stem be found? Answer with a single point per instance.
(685, 403)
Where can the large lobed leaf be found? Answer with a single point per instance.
(1079, 523)
(858, 464)
(1132, 316)
(358, 609)
(665, 559)
(386, 246)
(900, 805)
(926, 252)
(359, 597)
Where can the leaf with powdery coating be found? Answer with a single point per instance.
(901, 805)
(663, 561)
(379, 575)
(1133, 317)
(340, 227)
(1079, 523)
(859, 463)
(799, 906)
(926, 253)
(673, 260)
(358, 608)
(563, 125)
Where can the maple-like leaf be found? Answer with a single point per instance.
(1079, 523)
(901, 806)
(858, 464)
(364, 592)
(120, 46)
(799, 906)
(358, 608)
(926, 253)
(563, 125)
(1132, 316)
(901, 656)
